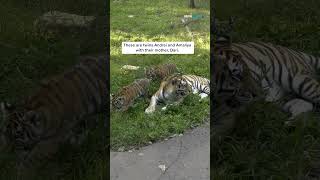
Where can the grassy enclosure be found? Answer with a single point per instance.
(28, 57)
(261, 146)
(150, 21)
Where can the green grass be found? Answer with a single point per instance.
(27, 58)
(152, 22)
(261, 146)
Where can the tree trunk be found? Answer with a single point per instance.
(192, 4)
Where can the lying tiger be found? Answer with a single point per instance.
(160, 71)
(175, 88)
(36, 127)
(284, 75)
(128, 94)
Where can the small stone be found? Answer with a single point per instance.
(150, 142)
(130, 67)
(140, 154)
(121, 149)
(180, 135)
(166, 139)
(130, 151)
(162, 167)
(173, 135)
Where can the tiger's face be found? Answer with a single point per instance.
(150, 73)
(18, 127)
(119, 103)
(232, 84)
(226, 81)
(175, 89)
(235, 66)
(7, 112)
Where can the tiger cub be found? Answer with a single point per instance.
(160, 71)
(176, 87)
(37, 126)
(278, 70)
(126, 96)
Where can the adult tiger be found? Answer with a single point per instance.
(175, 88)
(37, 126)
(160, 71)
(126, 96)
(277, 70)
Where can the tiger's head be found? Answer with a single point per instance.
(8, 127)
(233, 81)
(150, 73)
(175, 88)
(119, 103)
(19, 128)
(226, 81)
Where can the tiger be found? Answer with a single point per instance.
(175, 88)
(229, 89)
(35, 127)
(126, 95)
(280, 72)
(160, 71)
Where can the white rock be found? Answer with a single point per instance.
(121, 149)
(130, 67)
(162, 167)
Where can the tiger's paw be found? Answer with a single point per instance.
(195, 91)
(203, 95)
(150, 110)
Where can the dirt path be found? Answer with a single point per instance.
(185, 157)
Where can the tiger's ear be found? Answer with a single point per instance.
(174, 81)
(5, 109)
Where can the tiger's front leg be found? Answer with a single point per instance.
(153, 103)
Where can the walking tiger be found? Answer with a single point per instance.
(126, 96)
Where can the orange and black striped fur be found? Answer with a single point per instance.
(175, 88)
(36, 127)
(127, 95)
(278, 70)
(160, 71)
